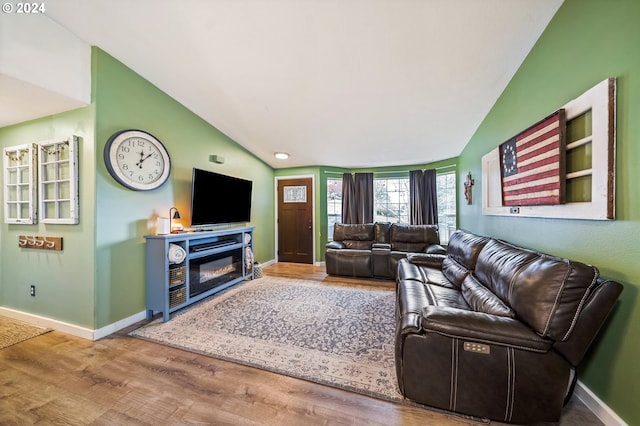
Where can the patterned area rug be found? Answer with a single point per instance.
(14, 331)
(329, 334)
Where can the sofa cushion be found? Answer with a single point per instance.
(381, 232)
(480, 299)
(413, 238)
(435, 276)
(549, 293)
(417, 271)
(482, 328)
(445, 296)
(453, 271)
(498, 263)
(464, 247)
(354, 263)
(354, 236)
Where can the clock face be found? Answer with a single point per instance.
(137, 160)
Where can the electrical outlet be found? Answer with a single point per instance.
(32, 290)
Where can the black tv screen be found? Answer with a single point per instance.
(217, 198)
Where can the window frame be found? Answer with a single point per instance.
(444, 236)
(375, 202)
(24, 190)
(51, 210)
(329, 224)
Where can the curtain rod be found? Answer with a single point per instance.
(451, 166)
(375, 173)
(389, 172)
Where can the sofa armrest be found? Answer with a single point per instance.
(337, 245)
(591, 318)
(478, 326)
(428, 260)
(436, 249)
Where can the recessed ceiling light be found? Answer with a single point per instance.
(281, 155)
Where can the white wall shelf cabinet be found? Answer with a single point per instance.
(58, 181)
(211, 261)
(20, 205)
(591, 158)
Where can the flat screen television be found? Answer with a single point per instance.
(218, 199)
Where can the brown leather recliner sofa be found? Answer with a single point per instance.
(374, 249)
(496, 331)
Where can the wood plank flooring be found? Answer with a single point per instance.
(119, 380)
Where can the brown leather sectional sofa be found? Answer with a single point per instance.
(374, 249)
(494, 330)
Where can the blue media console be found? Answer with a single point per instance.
(184, 268)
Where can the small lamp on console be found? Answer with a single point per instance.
(176, 215)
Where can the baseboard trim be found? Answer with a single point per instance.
(119, 325)
(268, 263)
(597, 407)
(72, 329)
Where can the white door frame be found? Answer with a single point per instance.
(313, 209)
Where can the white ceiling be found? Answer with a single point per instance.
(350, 83)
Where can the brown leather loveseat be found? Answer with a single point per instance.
(374, 249)
(496, 331)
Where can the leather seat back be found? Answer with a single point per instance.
(549, 293)
(498, 264)
(413, 238)
(464, 247)
(546, 292)
(354, 236)
(382, 232)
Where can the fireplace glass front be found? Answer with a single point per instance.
(214, 270)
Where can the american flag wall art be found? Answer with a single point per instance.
(533, 164)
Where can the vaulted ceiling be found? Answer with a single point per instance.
(351, 83)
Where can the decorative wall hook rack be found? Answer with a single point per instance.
(40, 242)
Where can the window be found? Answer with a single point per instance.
(391, 200)
(446, 188)
(334, 204)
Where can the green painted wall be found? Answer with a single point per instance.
(98, 278)
(63, 279)
(123, 217)
(586, 42)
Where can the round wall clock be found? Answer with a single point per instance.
(137, 160)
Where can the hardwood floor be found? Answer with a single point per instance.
(119, 380)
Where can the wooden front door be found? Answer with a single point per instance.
(295, 220)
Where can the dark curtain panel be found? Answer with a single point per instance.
(423, 197)
(416, 199)
(364, 197)
(349, 202)
(430, 212)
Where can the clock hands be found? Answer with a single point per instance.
(142, 158)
